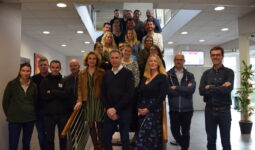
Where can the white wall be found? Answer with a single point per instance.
(80, 60)
(10, 34)
(29, 46)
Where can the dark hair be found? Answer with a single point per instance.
(150, 20)
(130, 19)
(116, 10)
(137, 11)
(217, 48)
(24, 65)
(42, 59)
(106, 23)
(97, 43)
(56, 61)
(158, 49)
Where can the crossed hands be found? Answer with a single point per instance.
(174, 87)
(225, 84)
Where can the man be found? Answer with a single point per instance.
(149, 14)
(126, 14)
(116, 16)
(54, 97)
(106, 28)
(132, 26)
(181, 90)
(117, 95)
(71, 84)
(38, 78)
(216, 85)
(157, 37)
(139, 25)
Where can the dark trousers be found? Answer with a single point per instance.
(50, 123)
(14, 134)
(212, 120)
(41, 129)
(180, 127)
(110, 126)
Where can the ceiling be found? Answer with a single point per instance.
(39, 15)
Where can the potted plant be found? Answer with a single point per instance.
(244, 98)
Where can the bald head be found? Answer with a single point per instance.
(74, 66)
(149, 13)
(179, 61)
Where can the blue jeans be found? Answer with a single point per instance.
(221, 119)
(110, 126)
(41, 129)
(14, 134)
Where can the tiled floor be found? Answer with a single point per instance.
(198, 136)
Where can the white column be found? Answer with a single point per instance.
(10, 39)
(244, 49)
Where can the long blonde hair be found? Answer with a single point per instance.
(113, 44)
(135, 41)
(161, 69)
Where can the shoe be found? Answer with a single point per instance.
(173, 142)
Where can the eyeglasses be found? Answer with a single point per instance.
(179, 59)
(217, 55)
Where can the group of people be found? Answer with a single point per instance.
(117, 92)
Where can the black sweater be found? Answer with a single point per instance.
(117, 90)
(55, 101)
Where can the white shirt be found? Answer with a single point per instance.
(179, 75)
(116, 71)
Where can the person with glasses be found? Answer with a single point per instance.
(216, 85)
(180, 96)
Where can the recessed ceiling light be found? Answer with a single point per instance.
(63, 45)
(79, 32)
(87, 42)
(170, 42)
(201, 40)
(82, 51)
(46, 32)
(61, 5)
(184, 32)
(224, 29)
(219, 8)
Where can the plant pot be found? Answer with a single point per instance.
(245, 127)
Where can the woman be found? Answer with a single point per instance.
(131, 39)
(108, 44)
(155, 50)
(19, 107)
(98, 48)
(89, 89)
(144, 54)
(153, 91)
(132, 66)
(117, 31)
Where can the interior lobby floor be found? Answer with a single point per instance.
(198, 139)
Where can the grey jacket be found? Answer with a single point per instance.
(181, 98)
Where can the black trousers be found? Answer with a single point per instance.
(180, 127)
(50, 123)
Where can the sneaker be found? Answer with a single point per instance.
(173, 142)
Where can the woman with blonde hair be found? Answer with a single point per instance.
(131, 39)
(89, 89)
(153, 90)
(108, 44)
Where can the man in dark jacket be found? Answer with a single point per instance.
(182, 87)
(216, 85)
(71, 84)
(54, 96)
(117, 94)
(40, 112)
